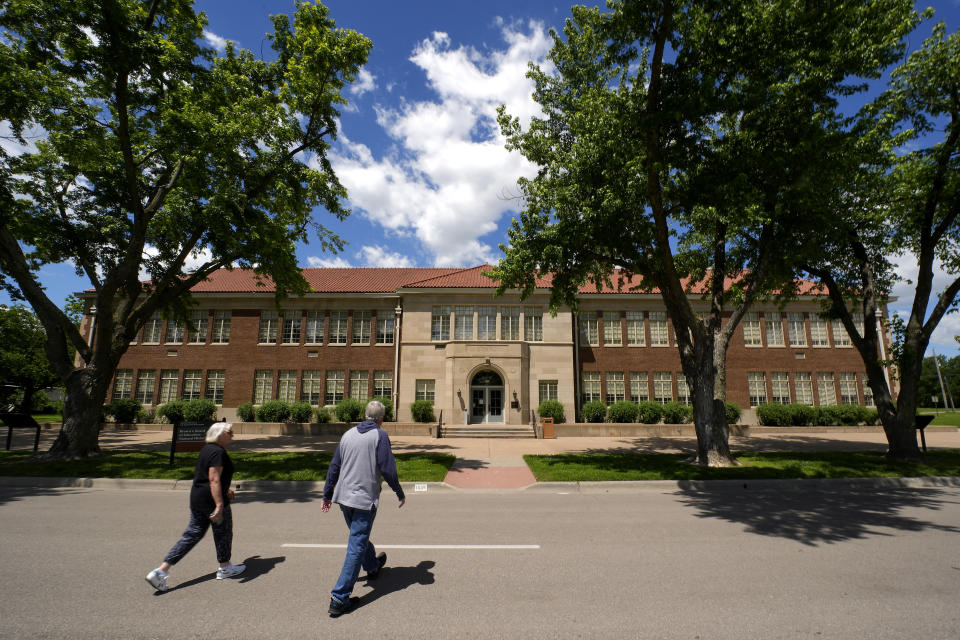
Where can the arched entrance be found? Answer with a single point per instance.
(486, 397)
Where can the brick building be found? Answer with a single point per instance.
(440, 334)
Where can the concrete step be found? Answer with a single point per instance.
(486, 431)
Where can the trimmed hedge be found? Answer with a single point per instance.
(649, 412)
(246, 412)
(551, 409)
(322, 415)
(733, 413)
(677, 413)
(789, 415)
(173, 412)
(349, 410)
(387, 406)
(594, 411)
(273, 411)
(422, 411)
(623, 411)
(200, 410)
(124, 410)
(301, 411)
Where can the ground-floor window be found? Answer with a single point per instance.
(780, 387)
(848, 388)
(757, 387)
(548, 390)
(591, 386)
(311, 387)
(360, 385)
(123, 384)
(216, 380)
(683, 389)
(382, 384)
(287, 386)
(335, 384)
(639, 390)
(146, 382)
(425, 390)
(803, 387)
(262, 386)
(826, 389)
(169, 379)
(663, 386)
(615, 389)
(192, 379)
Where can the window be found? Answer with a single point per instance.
(291, 327)
(191, 384)
(287, 386)
(658, 329)
(338, 327)
(639, 391)
(774, 329)
(152, 329)
(612, 333)
(314, 327)
(486, 322)
(803, 387)
(198, 327)
(510, 323)
(385, 323)
(221, 327)
(751, 330)
(615, 390)
(848, 388)
(588, 328)
(840, 336)
(123, 384)
(262, 386)
(798, 333)
(268, 327)
(361, 327)
(146, 382)
(635, 333)
(440, 323)
(533, 324)
(548, 390)
(215, 383)
(169, 380)
(825, 389)
(818, 332)
(382, 384)
(360, 385)
(591, 386)
(175, 332)
(335, 382)
(780, 387)
(757, 386)
(683, 389)
(867, 393)
(662, 386)
(463, 323)
(311, 387)
(858, 322)
(425, 390)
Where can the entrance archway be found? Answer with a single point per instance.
(486, 397)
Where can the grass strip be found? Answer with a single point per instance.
(296, 465)
(593, 467)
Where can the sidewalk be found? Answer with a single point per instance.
(493, 463)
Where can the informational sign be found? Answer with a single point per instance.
(188, 436)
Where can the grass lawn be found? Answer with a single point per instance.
(666, 466)
(411, 467)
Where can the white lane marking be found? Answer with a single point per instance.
(416, 546)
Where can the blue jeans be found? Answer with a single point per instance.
(360, 551)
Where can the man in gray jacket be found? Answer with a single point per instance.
(362, 458)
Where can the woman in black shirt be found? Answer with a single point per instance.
(210, 497)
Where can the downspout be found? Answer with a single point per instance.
(576, 364)
(883, 348)
(397, 313)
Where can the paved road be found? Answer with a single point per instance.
(764, 561)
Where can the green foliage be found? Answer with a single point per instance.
(649, 412)
(173, 412)
(623, 411)
(301, 411)
(123, 410)
(273, 411)
(200, 410)
(387, 406)
(41, 403)
(551, 409)
(677, 413)
(145, 416)
(23, 360)
(350, 410)
(247, 412)
(594, 411)
(773, 414)
(322, 415)
(422, 411)
(733, 413)
(802, 414)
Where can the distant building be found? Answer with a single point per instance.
(440, 334)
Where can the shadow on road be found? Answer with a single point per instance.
(393, 579)
(257, 566)
(820, 515)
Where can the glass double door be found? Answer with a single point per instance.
(486, 398)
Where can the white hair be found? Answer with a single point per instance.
(216, 430)
(375, 410)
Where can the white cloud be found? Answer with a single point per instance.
(906, 267)
(365, 82)
(376, 256)
(443, 180)
(327, 262)
(217, 42)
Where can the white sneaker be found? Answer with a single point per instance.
(230, 571)
(157, 580)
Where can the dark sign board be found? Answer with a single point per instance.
(188, 436)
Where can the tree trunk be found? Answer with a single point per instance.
(81, 419)
(899, 425)
(709, 406)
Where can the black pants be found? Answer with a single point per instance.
(199, 523)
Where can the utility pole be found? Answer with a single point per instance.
(943, 388)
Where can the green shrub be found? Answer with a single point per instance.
(733, 413)
(41, 403)
(301, 411)
(851, 414)
(828, 416)
(124, 410)
(873, 417)
(273, 411)
(349, 410)
(173, 412)
(677, 413)
(623, 411)
(247, 412)
(801, 414)
(200, 410)
(649, 412)
(147, 416)
(322, 415)
(387, 406)
(551, 409)
(773, 414)
(594, 411)
(422, 411)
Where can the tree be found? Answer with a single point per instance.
(680, 143)
(905, 198)
(158, 153)
(23, 363)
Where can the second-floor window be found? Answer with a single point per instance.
(268, 327)
(291, 327)
(361, 327)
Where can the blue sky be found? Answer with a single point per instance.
(419, 151)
